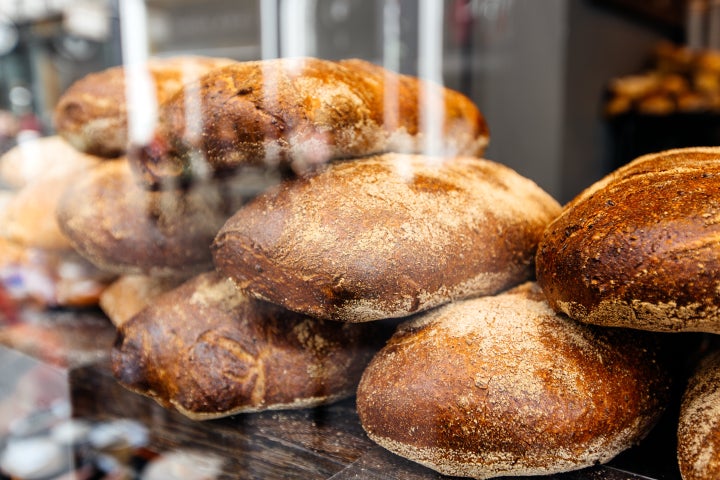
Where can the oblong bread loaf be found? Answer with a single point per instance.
(303, 112)
(501, 385)
(386, 236)
(639, 248)
(698, 433)
(92, 114)
(208, 351)
(126, 229)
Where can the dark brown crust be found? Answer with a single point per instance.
(92, 113)
(209, 351)
(303, 112)
(386, 236)
(123, 228)
(640, 248)
(503, 386)
(698, 432)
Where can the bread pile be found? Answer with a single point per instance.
(287, 215)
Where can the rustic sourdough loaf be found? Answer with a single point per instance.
(502, 385)
(386, 236)
(93, 113)
(639, 248)
(302, 112)
(209, 351)
(126, 229)
(698, 433)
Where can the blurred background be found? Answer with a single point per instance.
(549, 75)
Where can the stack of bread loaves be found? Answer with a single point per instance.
(286, 214)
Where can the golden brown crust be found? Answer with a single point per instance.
(639, 248)
(93, 113)
(123, 228)
(502, 385)
(698, 432)
(304, 112)
(209, 351)
(386, 236)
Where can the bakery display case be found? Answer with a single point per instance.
(341, 239)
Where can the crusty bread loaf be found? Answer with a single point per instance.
(93, 113)
(209, 351)
(44, 156)
(699, 423)
(130, 294)
(125, 229)
(639, 248)
(386, 236)
(305, 111)
(502, 385)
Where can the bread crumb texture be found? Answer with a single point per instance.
(502, 385)
(699, 426)
(640, 247)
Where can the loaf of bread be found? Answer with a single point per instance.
(639, 248)
(386, 236)
(126, 229)
(93, 113)
(130, 294)
(41, 157)
(502, 385)
(303, 112)
(208, 351)
(699, 422)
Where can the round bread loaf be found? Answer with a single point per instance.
(93, 113)
(125, 229)
(304, 112)
(386, 236)
(502, 385)
(699, 425)
(639, 248)
(209, 351)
